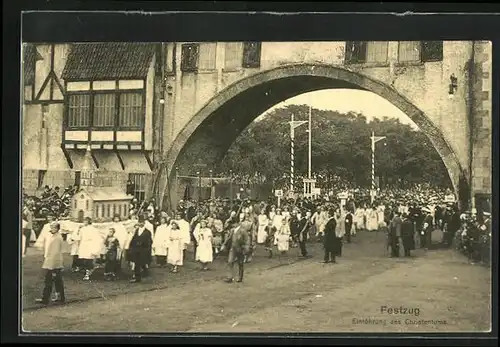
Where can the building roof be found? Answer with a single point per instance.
(30, 56)
(106, 194)
(108, 61)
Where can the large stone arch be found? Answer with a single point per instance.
(210, 132)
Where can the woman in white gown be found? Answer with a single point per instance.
(283, 236)
(261, 232)
(90, 247)
(371, 219)
(176, 239)
(381, 216)
(160, 242)
(359, 218)
(272, 213)
(203, 236)
(122, 236)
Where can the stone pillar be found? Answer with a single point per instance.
(481, 163)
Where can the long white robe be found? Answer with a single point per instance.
(91, 243)
(278, 221)
(73, 241)
(359, 219)
(381, 216)
(261, 232)
(160, 240)
(283, 238)
(184, 226)
(175, 254)
(204, 252)
(371, 220)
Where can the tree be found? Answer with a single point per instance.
(340, 146)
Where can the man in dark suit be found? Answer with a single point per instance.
(330, 240)
(407, 235)
(427, 228)
(394, 237)
(140, 250)
(303, 225)
(238, 243)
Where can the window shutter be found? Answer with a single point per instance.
(431, 51)
(189, 57)
(355, 52)
(251, 54)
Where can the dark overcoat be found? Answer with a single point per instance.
(140, 247)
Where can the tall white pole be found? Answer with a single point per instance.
(292, 159)
(310, 159)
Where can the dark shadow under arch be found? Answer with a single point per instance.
(212, 130)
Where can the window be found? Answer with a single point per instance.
(208, 52)
(109, 210)
(432, 51)
(87, 204)
(41, 176)
(103, 107)
(114, 209)
(131, 110)
(119, 210)
(104, 110)
(96, 211)
(376, 52)
(409, 51)
(125, 209)
(78, 110)
(189, 57)
(251, 54)
(232, 55)
(139, 181)
(355, 52)
(78, 178)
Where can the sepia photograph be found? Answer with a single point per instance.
(256, 187)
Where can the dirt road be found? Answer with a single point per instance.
(439, 290)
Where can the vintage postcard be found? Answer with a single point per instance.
(256, 187)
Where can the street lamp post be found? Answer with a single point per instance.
(374, 140)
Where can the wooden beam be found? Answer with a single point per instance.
(67, 156)
(148, 159)
(94, 159)
(44, 85)
(119, 158)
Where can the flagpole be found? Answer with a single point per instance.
(292, 148)
(310, 159)
(374, 140)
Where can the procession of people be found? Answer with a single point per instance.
(237, 228)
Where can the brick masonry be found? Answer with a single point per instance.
(481, 136)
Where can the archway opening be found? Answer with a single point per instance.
(209, 134)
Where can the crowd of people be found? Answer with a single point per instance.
(235, 229)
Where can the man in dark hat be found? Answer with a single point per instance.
(426, 230)
(140, 249)
(407, 235)
(330, 239)
(305, 225)
(395, 234)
